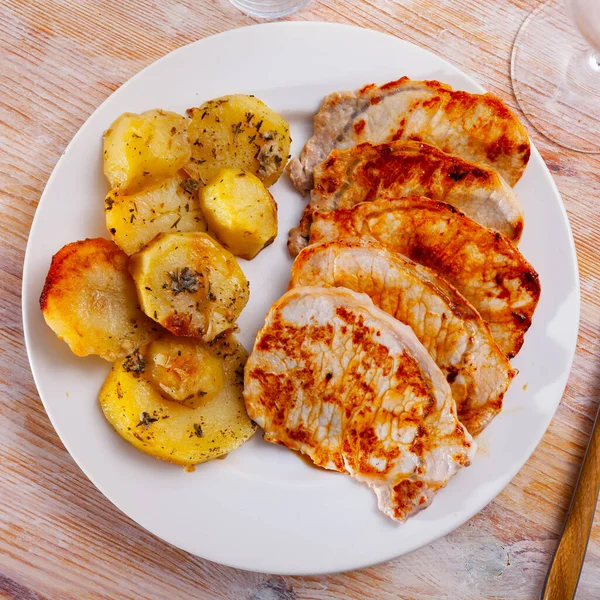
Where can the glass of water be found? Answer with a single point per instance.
(269, 9)
(555, 72)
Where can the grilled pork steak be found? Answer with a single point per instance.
(476, 127)
(366, 172)
(335, 377)
(447, 325)
(483, 265)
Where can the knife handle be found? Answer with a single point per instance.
(563, 575)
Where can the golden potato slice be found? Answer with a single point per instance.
(238, 131)
(170, 430)
(183, 369)
(141, 150)
(89, 301)
(240, 211)
(190, 284)
(172, 205)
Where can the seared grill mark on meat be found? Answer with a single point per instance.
(359, 126)
(485, 267)
(447, 325)
(338, 379)
(398, 169)
(477, 127)
(408, 493)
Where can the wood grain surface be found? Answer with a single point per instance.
(59, 537)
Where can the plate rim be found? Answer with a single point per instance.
(25, 297)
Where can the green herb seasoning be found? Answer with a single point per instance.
(146, 419)
(190, 185)
(184, 280)
(236, 129)
(135, 363)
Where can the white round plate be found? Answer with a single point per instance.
(263, 508)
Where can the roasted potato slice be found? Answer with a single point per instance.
(89, 301)
(173, 205)
(238, 131)
(190, 284)
(240, 211)
(141, 150)
(183, 369)
(137, 408)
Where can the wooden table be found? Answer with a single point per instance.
(59, 537)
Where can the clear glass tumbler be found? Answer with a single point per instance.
(556, 72)
(269, 9)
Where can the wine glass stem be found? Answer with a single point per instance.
(593, 60)
(583, 74)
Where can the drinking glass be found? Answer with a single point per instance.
(269, 9)
(555, 70)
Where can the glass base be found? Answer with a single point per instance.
(269, 9)
(556, 79)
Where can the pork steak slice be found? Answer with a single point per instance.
(447, 325)
(476, 127)
(483, 265)
(397, 169)
(336, 378)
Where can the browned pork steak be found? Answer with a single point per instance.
(366, 172)
(453, 333)
(483, 265)
(333, 376)
(476, 127)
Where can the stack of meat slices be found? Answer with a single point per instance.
(408, 295)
